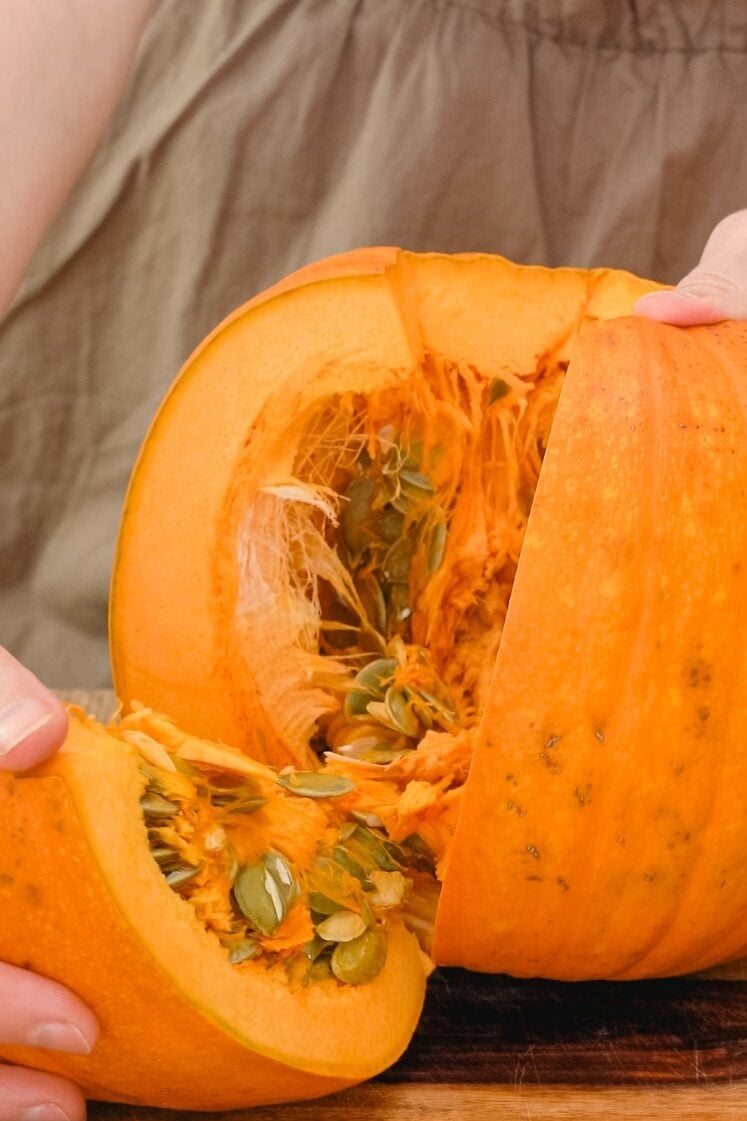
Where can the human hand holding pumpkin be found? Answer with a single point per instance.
(35, 1010)
(715, 289)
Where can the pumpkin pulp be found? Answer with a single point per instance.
(380, 548)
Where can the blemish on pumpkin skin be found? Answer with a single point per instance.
(698, 673)
(583, 796)
(562, 884)
(6, 878)
(599, 735)
(537, 879)
(533, 851)
(34, 894)
(703, 712)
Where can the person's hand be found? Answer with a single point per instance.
(716, 288)
(35, 1010)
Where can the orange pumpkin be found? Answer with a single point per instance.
(319, 544)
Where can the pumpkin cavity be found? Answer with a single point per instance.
(377, 556)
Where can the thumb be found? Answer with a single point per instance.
(716, 289)
(33, 723)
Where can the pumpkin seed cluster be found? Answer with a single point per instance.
(344, 899)
(392, 538)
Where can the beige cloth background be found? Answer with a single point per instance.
(257, 135)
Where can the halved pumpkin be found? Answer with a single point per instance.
(451, 527)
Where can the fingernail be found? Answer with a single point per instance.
(60, 1036)
(45, 1111)
(19, 719)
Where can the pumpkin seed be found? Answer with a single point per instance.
(315, 784)
(320, 970)
(155, 805)
(359, 961)
(350, 865)
(370, 681)
(258, 898)
(342, 926)
(151, 750)
(400, 714)
(416, 482)
(244, 950)
(355, 511)
(282, 874)
(437, 546)
(240, 805)
(378, 850)
(322, 904)
(163, 855)
(181, 876)
(314, 948)
(372, 599)
(397, 562)
(497, 388)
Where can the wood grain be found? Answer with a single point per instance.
(458, 1102)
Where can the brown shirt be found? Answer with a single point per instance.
(257, 136)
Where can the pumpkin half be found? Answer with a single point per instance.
(451, 528)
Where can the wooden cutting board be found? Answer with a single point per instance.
(493, 1048)
(497, 1049)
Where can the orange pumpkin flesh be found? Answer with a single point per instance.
(601, 833)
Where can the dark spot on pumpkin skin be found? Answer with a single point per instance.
(703, 712)
(34, 894)
(539, 879)
(698, 673)
(583, 796)
(650, 877)
(6, 878)
(562, 884)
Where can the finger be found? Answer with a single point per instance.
(30, 1095)
(716, 289)
(33, 723)
(41, 1013)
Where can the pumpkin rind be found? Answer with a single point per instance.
(610, 773)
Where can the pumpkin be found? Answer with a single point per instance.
(454, 525)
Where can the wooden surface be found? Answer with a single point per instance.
(495, 1049)
(492, 1047)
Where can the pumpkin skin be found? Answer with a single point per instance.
(83, 902)
(607, 800)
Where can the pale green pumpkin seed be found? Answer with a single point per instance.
(155, 805)
(359, 961)
(258, 898)
(497, 389)
(320, 970)
(342, 926)
(315, 784)
(181, 876)
(244, 950)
